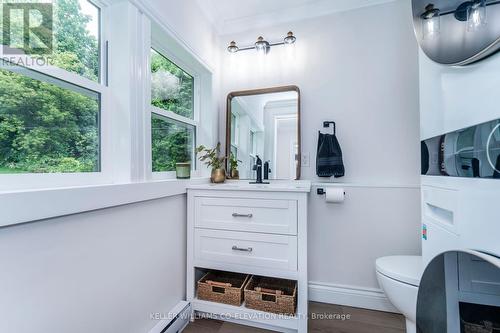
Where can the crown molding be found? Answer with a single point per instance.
(297, 13)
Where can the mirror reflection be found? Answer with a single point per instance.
(460, 292)
(263, 135)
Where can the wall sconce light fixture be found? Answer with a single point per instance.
(473, 12)
(262, 46)
(457, 32)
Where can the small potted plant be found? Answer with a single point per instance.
(183, 169)
(212, 158)
(233, 165)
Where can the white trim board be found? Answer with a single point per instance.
(366, 185)
(358, 297)
(51, 203)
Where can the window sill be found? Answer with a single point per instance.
(32, 205)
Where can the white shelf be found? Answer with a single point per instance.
(288, 275)
(242, 313)
(479, 298)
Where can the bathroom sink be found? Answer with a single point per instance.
(274, 185)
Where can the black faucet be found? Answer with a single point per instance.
(258, 168)
(267, 170)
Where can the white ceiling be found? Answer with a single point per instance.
(232, 16)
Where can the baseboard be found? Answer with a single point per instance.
(174, 321)
(358, 297)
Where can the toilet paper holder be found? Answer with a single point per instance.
(321, 191)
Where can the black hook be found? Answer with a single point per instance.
(326, 124)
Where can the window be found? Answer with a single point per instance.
(172, 89)
(50, 102)
(76, 37)
(46, 125)
(172, 142)
(173, 120)
(71, 40)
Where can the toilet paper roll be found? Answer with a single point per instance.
(334, 195)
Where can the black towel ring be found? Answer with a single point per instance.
(326, 124)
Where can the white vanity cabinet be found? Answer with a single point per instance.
(252, 229)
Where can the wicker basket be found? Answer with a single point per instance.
(222, 287)
(486, 327)
(271, 295)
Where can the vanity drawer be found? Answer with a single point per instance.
(246, 249)
(477, 276)
(254, 215)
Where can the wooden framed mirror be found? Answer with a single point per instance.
(264, 123)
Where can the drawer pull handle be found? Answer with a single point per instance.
(235, 248)
(243, 215)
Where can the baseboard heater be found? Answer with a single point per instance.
(178, 318)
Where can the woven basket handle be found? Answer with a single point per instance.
(268, 291)
(219, 284)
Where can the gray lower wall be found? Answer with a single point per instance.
(346, 239)
(101, 272)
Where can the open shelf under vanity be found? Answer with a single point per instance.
(241, 313)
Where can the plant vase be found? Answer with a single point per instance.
(183, 170)
(235, 174)
(218, 176)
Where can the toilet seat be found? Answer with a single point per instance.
(404, 269)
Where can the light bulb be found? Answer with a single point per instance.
(476, 15)
(262, 46)
(233, 48)
(431, 22)
(290, 38)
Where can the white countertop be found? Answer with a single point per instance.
(244, 185)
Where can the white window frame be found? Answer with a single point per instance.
(12, 182)
(161, 46)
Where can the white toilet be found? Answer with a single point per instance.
(399, 277)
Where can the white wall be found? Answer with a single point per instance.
(360, 69)
(346, 239)
(102, 272)
(452, 98)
